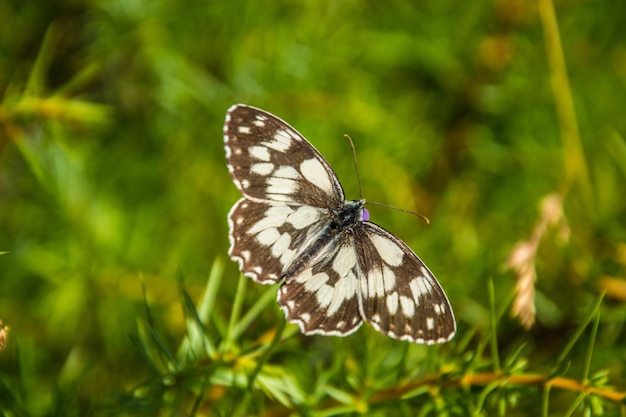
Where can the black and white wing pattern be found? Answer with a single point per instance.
(294, 226)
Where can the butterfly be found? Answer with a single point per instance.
(294, 226)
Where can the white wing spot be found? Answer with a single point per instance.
(245, 183)
(280, 197)
(415, 288)
(430, 323)
(305, 317)
(282, 141)
(245, 254)
(287, 257)
(259, 152)
(281, 245)
(387, 249)
(244, 129)
(392, 302)
(313, 283)
(408, 306)
(257, 269)
(279, 211)
(345, 289)
(268, 236)
(344, 261)
(389, 279)
(303, 216)
(276, 145)
(314, 171)
(287, 172)
(375, 283)
(440, 308)
(325, 295)
(281, 186)
(264, 168)
(258, 122)
(419, 287)
(282, 135)
(425, 285)
(275, 216)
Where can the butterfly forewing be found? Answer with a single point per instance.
(269, 160)
(293, 226)
(400, 296)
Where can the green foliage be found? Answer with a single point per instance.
(114, 194)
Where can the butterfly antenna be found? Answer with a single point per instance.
(358, 177)
(421, 216)
(356, 165)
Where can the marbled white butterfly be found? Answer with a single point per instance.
(294, 226)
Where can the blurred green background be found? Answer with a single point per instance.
(114, 190)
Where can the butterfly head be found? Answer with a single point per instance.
(365, 215)
(358, 210)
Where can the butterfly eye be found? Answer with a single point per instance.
(365, 215)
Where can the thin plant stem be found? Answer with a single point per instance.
(573, 153)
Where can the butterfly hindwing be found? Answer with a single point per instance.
(323, 297)
(269, 160)
(400, 296)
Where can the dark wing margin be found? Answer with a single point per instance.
(270, 161)
(399, 295)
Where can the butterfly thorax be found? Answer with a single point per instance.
(340, 220)
(346, 216)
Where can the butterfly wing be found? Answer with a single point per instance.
(270, 161)
(322, 298)
(288, 191)
(265, 238)
(399, 295)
